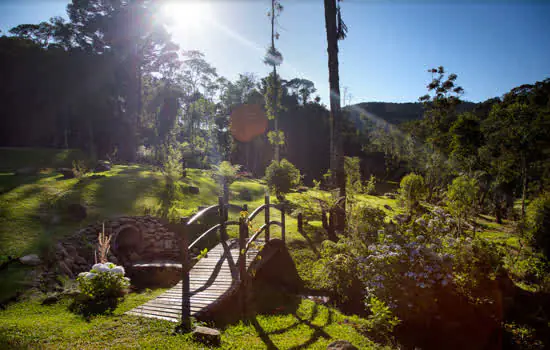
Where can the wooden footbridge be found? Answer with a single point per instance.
(218, 275)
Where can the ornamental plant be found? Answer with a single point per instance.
(101, 289)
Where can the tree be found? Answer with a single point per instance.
(273, 94)
(302, 88)
(462, 195)
(336, 30)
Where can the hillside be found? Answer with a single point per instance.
(397, 113)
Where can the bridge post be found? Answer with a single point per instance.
(185, 325)
(301, 223)
(221, 212)
(243, 234)
(283, 224)
(266, 216)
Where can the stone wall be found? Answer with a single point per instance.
(133, 240)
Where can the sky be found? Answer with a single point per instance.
(492, 46)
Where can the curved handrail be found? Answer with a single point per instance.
(260, 231)
(256, 212)
(213, 228)
(254, 236)
(232, 222)
(201, 213)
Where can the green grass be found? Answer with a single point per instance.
(31, 325)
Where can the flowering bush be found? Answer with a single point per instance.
(417, 269)
(102, 288)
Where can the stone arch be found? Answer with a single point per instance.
(128, 243)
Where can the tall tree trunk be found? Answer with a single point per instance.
(337, 156)
(275, 84)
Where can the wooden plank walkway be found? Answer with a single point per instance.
(210, 280)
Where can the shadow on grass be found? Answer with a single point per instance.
(318, 331)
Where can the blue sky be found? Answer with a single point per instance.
(492, 46)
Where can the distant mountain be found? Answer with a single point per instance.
(396, 113)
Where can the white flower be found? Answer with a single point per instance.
(420, 238)
(83, 274)
(118, 270)
(90, 275)
(97, 266)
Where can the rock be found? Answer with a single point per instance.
(31, 260)
(341, 345)
(207, 336)
(51, 299)
(102, 165)
(390, 195)
(25, 171)
(388, 207)
(61, 252)
(80, 260)
(302, 189)
(65, 269)
(66, 172)
(77, 211)
(193, 190)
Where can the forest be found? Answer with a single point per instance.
(443, 237)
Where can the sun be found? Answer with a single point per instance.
(188, 13)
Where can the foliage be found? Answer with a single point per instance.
(282, 176)
(538, 223)
(370, 186)
(381, 321)
(226, 171)
(411, 190)
(352, 167)
(101, 289)
(462, 195)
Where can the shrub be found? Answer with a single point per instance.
(538, 223)
(101, 289)
(411, 190)
(282, 176)
(370, 186)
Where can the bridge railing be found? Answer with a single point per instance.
(245, 242)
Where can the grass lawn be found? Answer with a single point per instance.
(31, 325)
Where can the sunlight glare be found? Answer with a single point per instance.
(191, 13)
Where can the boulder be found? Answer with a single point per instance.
(207, 336)
(26, 171)
(67, 173)
(341, 345)
(31, 260)
(102, 165)
(77, 211)
(193, 190)
(388, 207)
